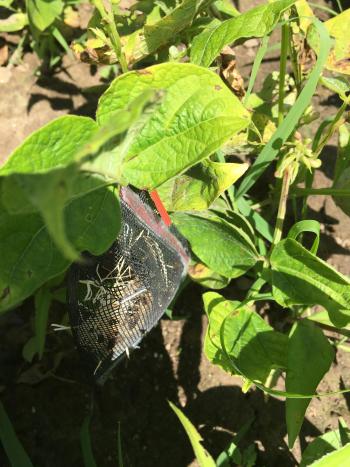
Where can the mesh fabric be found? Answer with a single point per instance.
(118, 297)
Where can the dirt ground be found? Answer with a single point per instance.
(48, 414)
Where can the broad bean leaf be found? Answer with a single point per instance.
(339, 458)
(51, 147)
(218, 244)
(204, 276)
(28, 256)
(50, 193)
(16, 201)
(13, 23)
(251, 342)
(199, 187)
(154, 36)
(338, 28)
(300, 278)
(225, 7)
(40, 173)
(323, 444)
(42, 13)
(203, 457)
(340, 85)
(196, 116)
(310, 356)
(256, 22)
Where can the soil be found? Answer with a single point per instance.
(48, 412)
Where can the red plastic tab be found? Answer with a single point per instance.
(160, 207)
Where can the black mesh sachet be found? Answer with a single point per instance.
(118, 297)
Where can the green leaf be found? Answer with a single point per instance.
(257, 22)
(42, 301)
(11, 444)
(343, 158)
(337, 27)
(320, 446)
(306, 226)
(254, 346)
(260, 224)
(28, 256)
(232, 452)
(203, 457)
(51, 147)
(339, 84)
(85, 443)
(225, 7)
(342, 170)
(338, 458)
(49, 193)
(199, 273)
(15, 22)
(42, 13)
(200, 186)
(154, 36)
(196, 116)
(300, 278)
(218, 244)
(310, 356)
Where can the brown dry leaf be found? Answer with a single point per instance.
(230, 73)
(306, 55)
(94, 55)
(4, 54)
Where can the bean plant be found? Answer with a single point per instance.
(234, 166)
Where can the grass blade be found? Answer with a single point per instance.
(256, 65)
(85, 443)
(285, 129)
(120, 452)
(12, 446)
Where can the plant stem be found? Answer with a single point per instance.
(283, 67)
(282, 207)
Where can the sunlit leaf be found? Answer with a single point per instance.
(201, 274)
(196, 116)
(199, 187)
(338, 28)
(15, 22)
(43, 13)
(256, 22)
(203, 457)
(320, 446)
(218, 244)
(309, 357)
(253, 345)
(153, 36)
(339, 458)
(300, 278)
